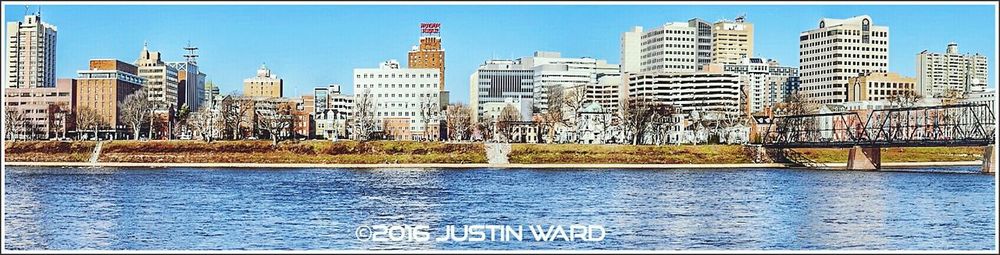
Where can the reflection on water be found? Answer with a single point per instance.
(112, 208)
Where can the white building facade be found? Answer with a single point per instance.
(161, 79)
(711, 94)
(670, 48)
(837, 50)
(498, 81)
(939, 74)
(31, 53)
(399, 94)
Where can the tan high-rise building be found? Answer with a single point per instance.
(161, 79)
(103, 87)
(265, 84)
(732, 41)
(31, 53)
(429, 53)
(879, 86)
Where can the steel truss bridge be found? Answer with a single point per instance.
(946, 125)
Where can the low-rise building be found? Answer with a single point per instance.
(879, 86)
(46, 112)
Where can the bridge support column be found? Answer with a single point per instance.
(989, 159)
(864, 158)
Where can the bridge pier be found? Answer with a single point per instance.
(989, 159)
(864, 158)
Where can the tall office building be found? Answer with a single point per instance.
(264, 84)
(670, 48)
(496, 81)
(103, 87)
(703, 44)
(731, 41)
(190, 80)
(631, 50)
(764, 82)
(399, 95)
(31, 53)
(429, 54)
(838, 50)
(161, 79)
(939, 74)
(552, 70)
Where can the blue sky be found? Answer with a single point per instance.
(311, 46)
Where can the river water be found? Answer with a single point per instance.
(644, 209)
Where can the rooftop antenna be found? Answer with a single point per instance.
(192, 55)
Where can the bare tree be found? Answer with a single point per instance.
(59, 115)
(637, 113)
(276, 123)
(136, 110)
(235, 111)
(89, 119)
(554, 115)
(575, 98)
(429, 109)
(505, 121)
(364, 115)
(204, 123)
(459, 118)
(15, 119)
(487, 126)
(907, 98)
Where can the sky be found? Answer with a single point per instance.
(315, 45)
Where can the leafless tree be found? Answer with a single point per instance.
(459, 118)
(637, 113)
(204, 123)
(14, 119)
(487, 126)
(136, 110)
(235, 111)
(89, 119)
(554, 115)
(575, 99)
(364, 115)
(429, 109)
(907, 98)
(59, 116)
(505, 121)
(276, 123)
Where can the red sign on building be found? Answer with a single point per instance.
(430, 28)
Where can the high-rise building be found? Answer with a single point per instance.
(550, 69)
(951, 72)
(496, 81)
(712, 95)
(161, 79)
(731, 41)
(31, 53)
(399, 95)
(879, 87)
(102, 88)
(838, 50)
(670, 48)
(631, 50)
(429, 54)
(190, 80)
(264, 84)
(703, 44)
(764, 82)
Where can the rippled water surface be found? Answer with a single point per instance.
(182, 208)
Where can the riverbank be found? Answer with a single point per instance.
(479, 165)
(419, 154)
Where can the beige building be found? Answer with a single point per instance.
(31, 53)
(47, 111)
(838, 50)
(732, 41)
(265, 84)
(940, 74)
(161, 79)
(880, 86)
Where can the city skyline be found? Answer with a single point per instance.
(308, 56)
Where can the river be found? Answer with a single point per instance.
(644, 209)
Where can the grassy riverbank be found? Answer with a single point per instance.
(402, 152)
(712, 154)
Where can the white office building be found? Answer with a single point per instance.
(31, 53)
(606, 92)
(837, 50)
(703, 44)
(940, 74)
(161, 79)
(550, 69)
(670, 48)
(399, 95)
(498, 81)
(631, 50)
(765, 82)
